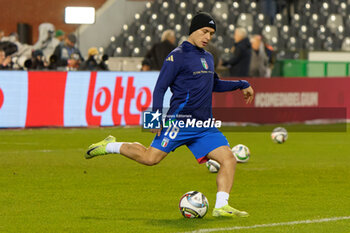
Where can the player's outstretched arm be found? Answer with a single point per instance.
(228, 85)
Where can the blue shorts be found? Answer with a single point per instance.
(199, 141)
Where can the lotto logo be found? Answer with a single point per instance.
(1, 98)
(101, 101)
(152, 120)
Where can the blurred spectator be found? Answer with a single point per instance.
(73, 62)
(216, 54)
(160, 51)
(5, 61)
(52, 63)
(146, 65)
(46, 42)
(103, 63)
(9, 47)
(289, 7)
(271, 55)
(259, 60)
(64, 51)
(19, 52)
(13, 37)
(286, 7)
(60, 35)
(240, 61)
(37, 61)
(269, 8)
(92, 62)
(2, 56)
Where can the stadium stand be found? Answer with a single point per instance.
(124, 63)
(323, 20)
(309, 25)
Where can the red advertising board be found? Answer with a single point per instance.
(45, 98)
(286, 100)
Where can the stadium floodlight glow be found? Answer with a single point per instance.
(79, 15)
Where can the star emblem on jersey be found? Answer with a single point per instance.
(204, 63)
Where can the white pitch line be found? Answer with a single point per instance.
(273, 224)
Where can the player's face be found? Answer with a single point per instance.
(201, 37)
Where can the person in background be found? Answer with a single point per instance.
(60, 35)
(5, 61)
(146, 65)
(8, 47)
(259, 60)
(160, 51)
(46, 41)
(73, 62)
(103, 65)
(64, 51)
(2, 56)
(240, 61)
(269, 8)
(271, 55)
(38, 62)
(91, 63)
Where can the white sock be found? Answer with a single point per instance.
(221, 199)
(114, 147)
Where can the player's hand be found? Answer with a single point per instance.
(157, 131)
(248, 94)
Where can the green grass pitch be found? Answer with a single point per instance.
(46, 185)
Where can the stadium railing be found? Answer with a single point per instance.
(305, 68)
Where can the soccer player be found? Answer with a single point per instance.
(189, 72)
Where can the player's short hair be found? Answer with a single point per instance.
(167, 34)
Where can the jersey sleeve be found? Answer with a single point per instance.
(228, 85)
(167, 75)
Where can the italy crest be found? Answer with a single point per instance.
(204, 63)
(165, 142)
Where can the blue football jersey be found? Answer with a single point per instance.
(189, 72)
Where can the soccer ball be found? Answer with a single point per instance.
(193, 204)
(279, 135)
(212, 166)
(241, 152)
